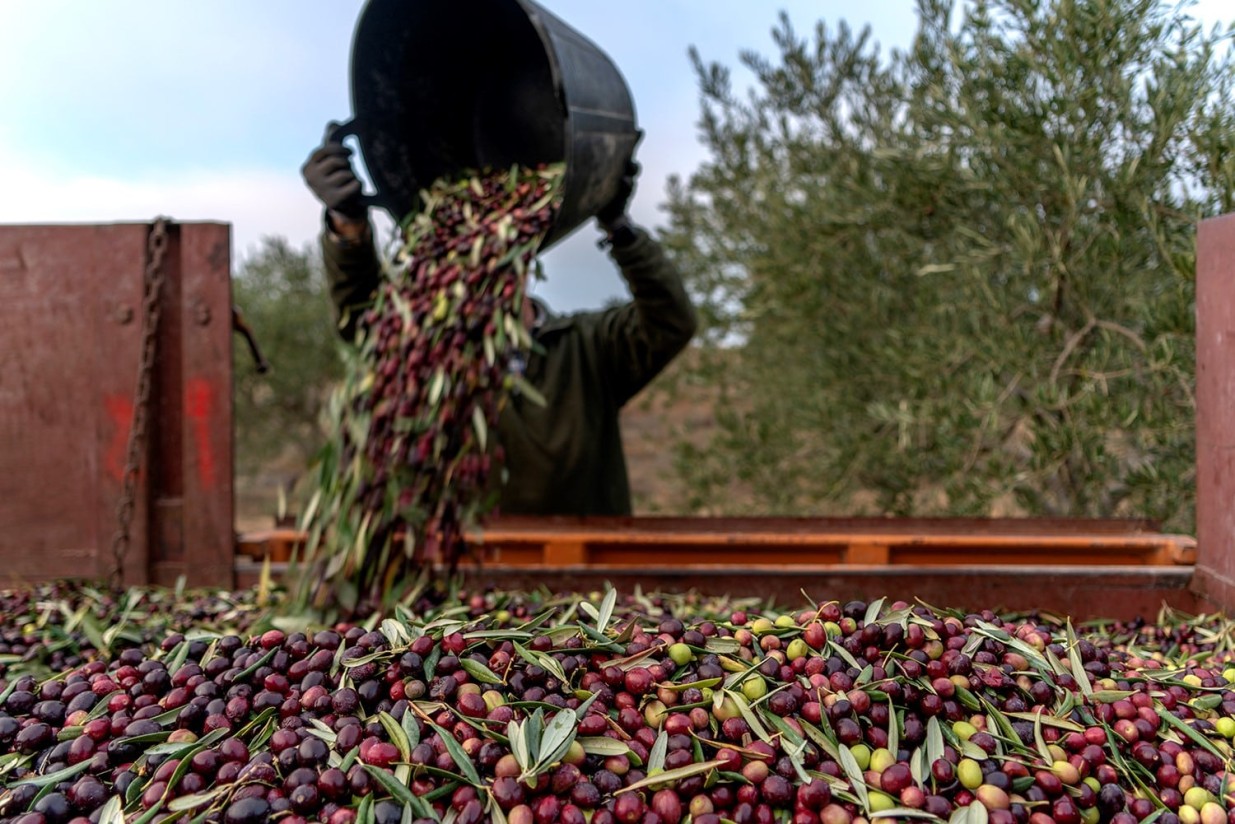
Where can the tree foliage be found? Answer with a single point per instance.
(281, 293)
(959, 279)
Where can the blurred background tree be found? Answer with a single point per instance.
(957, 279)
(281, 293)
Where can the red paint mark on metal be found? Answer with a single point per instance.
(120, 410)
(199, 398)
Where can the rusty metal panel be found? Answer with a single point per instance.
(62, 393)
(68, 375)
(1079, 592)
(1215, 410)
(209, 525)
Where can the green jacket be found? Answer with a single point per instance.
(566, 458)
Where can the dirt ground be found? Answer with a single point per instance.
(650, 424)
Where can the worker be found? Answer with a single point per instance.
(563, 458)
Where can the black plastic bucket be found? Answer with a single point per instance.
(441, 86)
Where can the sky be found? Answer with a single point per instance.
(129, 109)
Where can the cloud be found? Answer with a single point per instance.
(260, 202)
(146, 84)
(120, 117)
(255, 202)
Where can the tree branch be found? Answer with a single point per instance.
(1070, 347)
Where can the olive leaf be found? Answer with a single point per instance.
(1078, 667)
(602, 642)
(112, 811)
(1206, 702)
(722, 646)
(837, 649)
(430, 662)
(1066, 706)
(973, 644)
(179, 655)
(134, 792)
(397, 736)
(55, 777)
(1054, 665)
(11, 761)
(12, 685)
(322, 731)
(395, 632)
(793, 745)
(410, 729)
(1002, 723)
(1196, 737)
(969, 749)
(540, 659)
(189, 802)
(873, 610)
(1048, 720)
(917, 766)
(496, 634)
(364, 812)
(968, 700)
(753, 720)
(787, 733)
(1039, 741)
(479, 671)
(533, 730)
(602, 745)
(606, 610)
(461, 758)
(150, 814)
(903, 812)
(825, 740)
(1036, 659)
(530, 392)
(656, 758)
(895, 720)
(519, 745)
(400, 792)
(704, 683)
(934, 740)
(670, 776)
(853, 773)
(557, 737)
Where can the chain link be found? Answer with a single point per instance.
(156, 250)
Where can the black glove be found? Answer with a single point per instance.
(330, 176)
(613, 211)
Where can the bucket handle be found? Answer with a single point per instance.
(335, 133)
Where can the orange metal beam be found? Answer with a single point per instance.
(655, 544)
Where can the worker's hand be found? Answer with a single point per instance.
(613, 211)
(330, 176)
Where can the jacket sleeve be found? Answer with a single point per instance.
(638, 339)
(352, 274)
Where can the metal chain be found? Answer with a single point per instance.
(156, 250)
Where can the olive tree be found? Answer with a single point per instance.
(958, 278)
(281, 294)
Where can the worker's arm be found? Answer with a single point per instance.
(348, 250)
(352, 269)
(635, 341)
